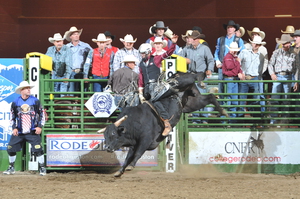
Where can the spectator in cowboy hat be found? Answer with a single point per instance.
(288, 30)
(263, 50)
(159, 45)
(240, 32)
(111, 38)
(80, 51)
(221, 49)
(158, 30)
(99, 60)
(282, 66)
(128, 49)
(61, 62)
(202, 41)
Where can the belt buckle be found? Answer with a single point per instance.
(248, 77)
(77, 70)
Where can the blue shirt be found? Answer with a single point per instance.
(228, 41)
(62, 56)
(79, 54)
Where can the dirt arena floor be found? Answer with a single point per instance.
(187, 183)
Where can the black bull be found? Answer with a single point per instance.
(140, 128)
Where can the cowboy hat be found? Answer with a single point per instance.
(241, 29)
(158, 24)
(196, 35)
(129, 58)
(285, 38)
(296, 33)
(288, 29)
(257, 40)
(159, 40)
(128, 38)
(70, 32)
(22, 85)
(168, 33)
(100, 37)
(150, 31)
(199, 30)
(187, 33)
(230, 23)
(233, 46)
(56, 37)
(258, 31)
(108, 34)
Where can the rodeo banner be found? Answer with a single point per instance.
(11, 74)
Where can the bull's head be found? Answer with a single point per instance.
(113, 135)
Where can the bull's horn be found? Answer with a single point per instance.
(101, 130)
(119, 122)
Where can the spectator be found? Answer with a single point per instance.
(232, 71)
(61, 62)
(288, 30)
(201, 40)
(27, 119)
(221, 50)
(127, 50)
(100, 60)
(80, 51)
(282, 66)
(158, 30)
(110, 38)
(252, 65)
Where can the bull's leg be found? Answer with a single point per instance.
(212, 100)
(133, 155)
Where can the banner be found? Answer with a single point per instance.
(11, 74)
(89, 150)
(270, 147)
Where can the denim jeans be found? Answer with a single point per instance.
(75, 86)
(232, 87)
(60, 86)
(99, 86)
(280, 87)
(244, 88)
(201, 90)
(221, 85)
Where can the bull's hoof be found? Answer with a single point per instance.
(224, 113)
(118, 174)
(129, 168)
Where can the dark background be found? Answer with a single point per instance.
(26, 25)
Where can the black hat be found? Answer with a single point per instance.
(158, 24)
(197, 28)
(108, 34)
(231, 23)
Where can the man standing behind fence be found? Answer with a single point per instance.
(80, 51)
(61, 62)
(252, 62)
(282, 66)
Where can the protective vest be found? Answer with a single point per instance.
(222, 46)
(29, 107)
(151, 71)
(100, 66)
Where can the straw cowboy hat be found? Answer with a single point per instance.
(108, 34)
(233, 46)
(159, 40)
(71, 31)
(128, 38)
(257, 40)
(187, 33)
(241, 29)
(56, 37)
(230, 23)
(289, 29)
(158, 24)
(258, 31)
(296, 33)
(22, 85)
(129, 58)
(168, 33)
(285, 38)
(100, 37)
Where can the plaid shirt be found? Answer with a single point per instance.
(119, 57)
(283, 61)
